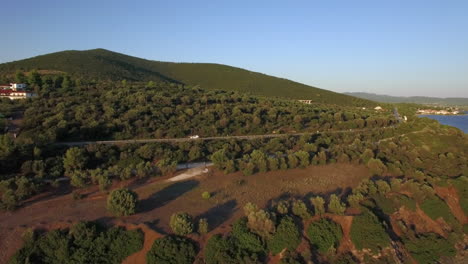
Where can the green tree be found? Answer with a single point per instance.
(324, 234)
(287, 236)
(299, 208)
(181, 223)
(173, 250)
(335, 206)
(34, 78)
(75, 158)
(122, 202)
(20, 77)
(319, 205)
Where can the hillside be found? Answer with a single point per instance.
(454, 101)
(107, 65)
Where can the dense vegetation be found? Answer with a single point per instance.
(325, 235)
(407, 162)
(105, 65)
(82, 243)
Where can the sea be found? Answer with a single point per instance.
(458, 121)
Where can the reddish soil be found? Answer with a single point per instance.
(449, 194)
(159, 200)
(417, 219)
(150, 236)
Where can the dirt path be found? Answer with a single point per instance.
(188, 174)
(150, 237)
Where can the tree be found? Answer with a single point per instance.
(299, 208)
(260, 221)
(20, 77)
(171, 249)
(324, 234)
(304, 158)
(376, 167)
(9, 200)
(181, 223)
(75, 158)
(35, 79)
(335, 206)
(287, 236)
(122, 202)
(319, 205)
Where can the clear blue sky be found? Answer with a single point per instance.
(407, 47)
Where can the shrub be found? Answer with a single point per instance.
(206, 195)
(282, 207)
(319, 205)
(299, 208)
(429, 248)
(335, 206)
(368, 232)
(203, 226)
(172, 249)
(376, 167)
(287, 236)
(122, 202)
(9, 201)
(324, 234)
(181, 223)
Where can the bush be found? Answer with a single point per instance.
(172, 249)
(206, 195)
(429, 248)
(122, 202)
(260, 221)
(324, 234)
(299, 208)
(335, 206)
(181, 223)
(287, 236)
(9, 201)
(319, 205)
(202, 226)
(368, 232)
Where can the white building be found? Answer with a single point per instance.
(13, 94)
(378, 108)
(18, 86)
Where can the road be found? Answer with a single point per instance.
(175, 140)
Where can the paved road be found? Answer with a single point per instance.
(175, 140)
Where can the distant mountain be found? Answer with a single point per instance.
(107, 65)
(454, 101)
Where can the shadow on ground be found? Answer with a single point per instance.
(166, 195)
(217, 215)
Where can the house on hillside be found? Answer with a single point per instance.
(378, 108)
(18, 86)
(13, 95)
(306, 101)
(5, 86)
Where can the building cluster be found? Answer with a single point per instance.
(15, 91)
(437, 112)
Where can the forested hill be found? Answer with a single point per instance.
(102, 64)
(454, 101)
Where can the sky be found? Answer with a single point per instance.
(393, 47)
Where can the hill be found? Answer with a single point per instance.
(454, 101)
(107, 65)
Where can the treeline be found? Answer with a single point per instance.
(78, 111)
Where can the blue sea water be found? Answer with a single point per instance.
(458, 121)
